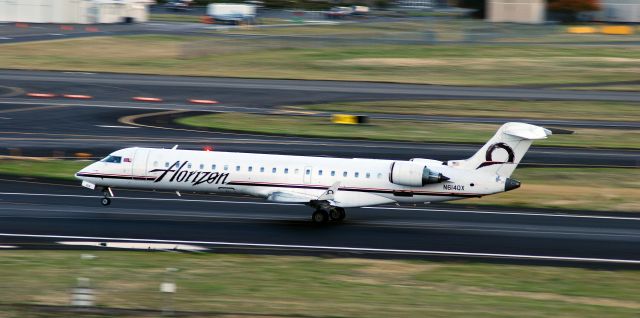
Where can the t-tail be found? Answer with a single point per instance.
(502, 153)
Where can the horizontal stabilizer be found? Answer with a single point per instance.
(526, 131)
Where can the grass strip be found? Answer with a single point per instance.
(279, 285)
(479, 65)
(566, 110)
(617, 189)
(50, 169)
(399, 130)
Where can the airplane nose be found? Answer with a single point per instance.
(511, 184)
(80, 174)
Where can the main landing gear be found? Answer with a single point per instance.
(107, 193)
(321, 216)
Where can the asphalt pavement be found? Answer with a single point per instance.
(37, 215)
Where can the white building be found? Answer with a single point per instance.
(74, 11)
(517, 11)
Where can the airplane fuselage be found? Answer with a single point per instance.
(362, 182)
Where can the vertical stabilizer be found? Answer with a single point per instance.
(502, 153)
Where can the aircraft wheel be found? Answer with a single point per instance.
(342, 213)
(105, 201)
(337, 214)
(320, 217)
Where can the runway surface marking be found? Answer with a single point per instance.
(113, 126)
(372, 208)
(337, 248)
(13, 110)
(139, 246)
(130, 105)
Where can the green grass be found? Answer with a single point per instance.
(52, 169)
(586, 110)
(435, 64)
(276, 285)
(399, 130)
(618, 189)
(603, 189)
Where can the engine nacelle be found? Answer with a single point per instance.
(413, 174)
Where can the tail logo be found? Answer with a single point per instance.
(489, 155)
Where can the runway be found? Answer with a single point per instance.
(38, 215)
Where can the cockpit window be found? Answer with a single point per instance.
(112, 159)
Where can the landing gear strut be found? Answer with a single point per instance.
(106, 192)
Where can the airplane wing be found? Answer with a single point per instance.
(289, 197)
(294, 197)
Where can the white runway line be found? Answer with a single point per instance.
(137, 245)
(340, 249)
(113, 126)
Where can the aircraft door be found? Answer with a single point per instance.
(308, 170)
(139, 163)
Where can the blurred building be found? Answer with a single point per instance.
(415, 4)
(619, 11)
(518, 11)
(75, 11)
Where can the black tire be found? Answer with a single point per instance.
(105, 201)
(320, 217)
(343, 214)
(337, 214)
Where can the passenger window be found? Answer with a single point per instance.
(308, 172)
(155, 164)
(213, 167)
(226, 167)
(368, 175)
(357, 174)
(250, 168)
(344, 174)
(296, 171)
(201, 167)
(379, 175)
(286, 170)
(319, 172)
(333, 173)
(261, 169)
(273, 170)
(166, 165)
(237, 168)
(189, 166)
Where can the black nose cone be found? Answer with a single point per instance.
(511, 184)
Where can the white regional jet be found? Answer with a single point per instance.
(329, 185)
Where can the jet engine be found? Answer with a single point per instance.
(413, 174)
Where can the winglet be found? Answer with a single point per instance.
(330, 193)
(174, 147)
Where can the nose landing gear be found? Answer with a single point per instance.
(107, 193)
